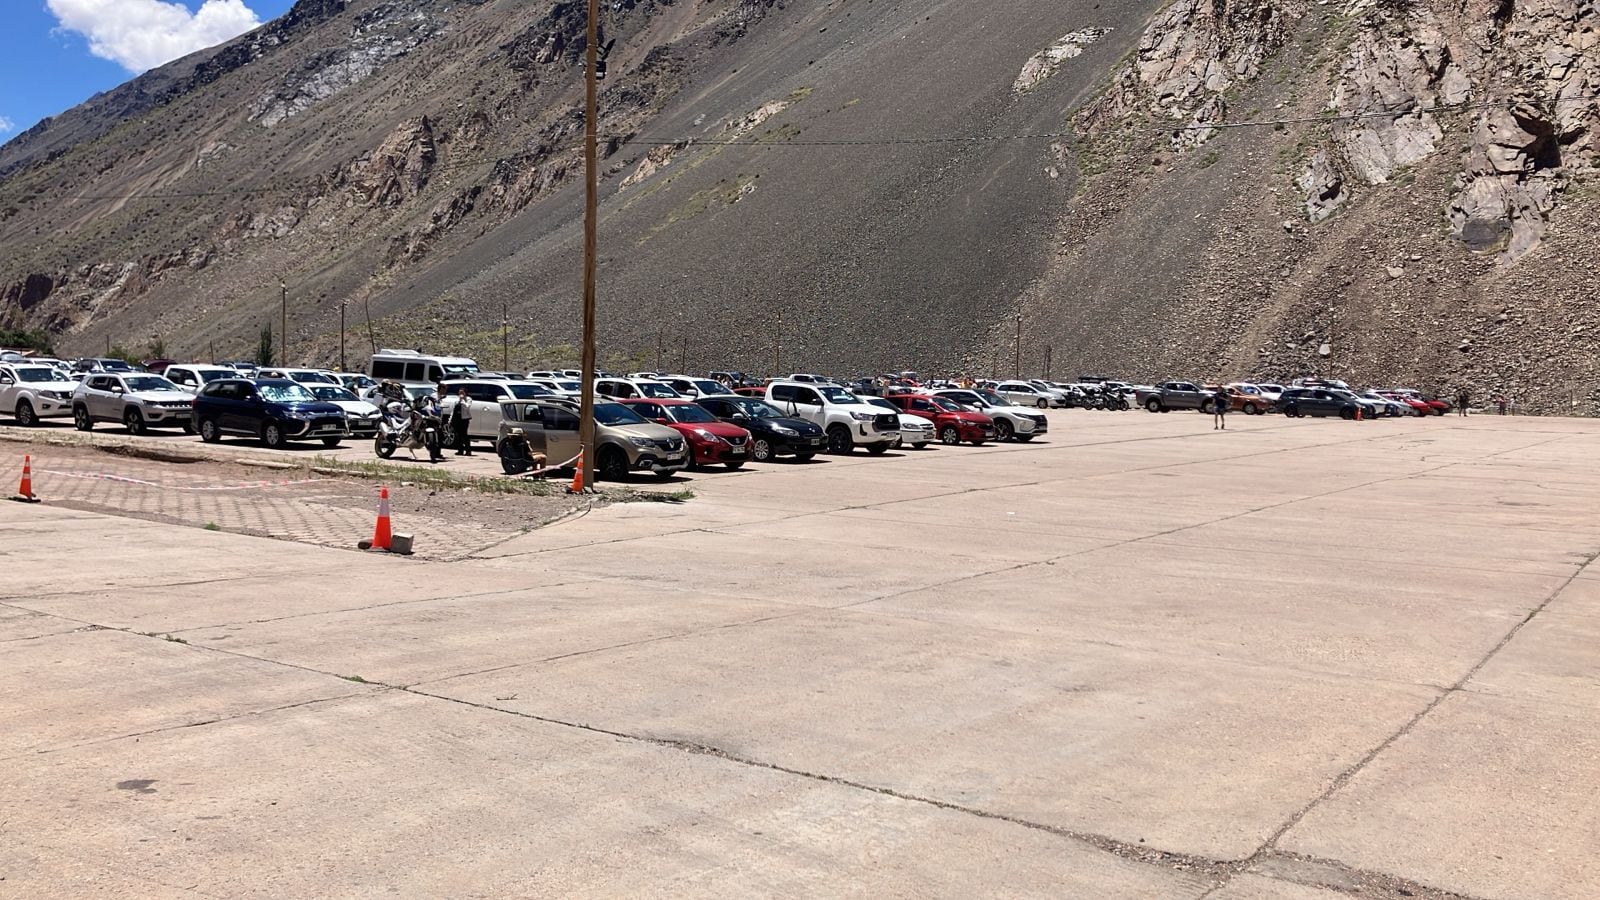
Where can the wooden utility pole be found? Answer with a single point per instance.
(505, 335)
(591, 214)
(777, 346)
(1019, 346)
(1047, 351)
(661, 351)
(372, 336)
(342, 305)
(683, 357)
(283, 323)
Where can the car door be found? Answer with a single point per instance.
(558, 434)
(101, 396)
(8, 390)
(234, 403)
(485, 405)
(923, 407)
(808, 404)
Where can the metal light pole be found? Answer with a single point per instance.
(1019, 345)
(591, 52)
(777, 346)
(505, 335)
(342, 305)
(283, 323)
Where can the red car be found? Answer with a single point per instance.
(749, 390)
(953, 422)
(711, 440)
(1407, 395)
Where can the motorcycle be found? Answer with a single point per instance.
(412, 430)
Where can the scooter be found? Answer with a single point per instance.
(411, 430)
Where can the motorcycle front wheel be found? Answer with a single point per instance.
(383, 446)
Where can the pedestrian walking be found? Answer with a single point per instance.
(461, 423)
(1462, 400)
(1501, 402)
(1219, 410)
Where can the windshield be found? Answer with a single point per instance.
(993, 399)
(115, 365)
(757, 409)
(285, 393)
(570, 387)
(37, 374)
(527, 391)
(837, 394)
(149, 383)
(207, 376)
(1247, 389)
(315, 377)
(709, 387)
(690, 414)
(657, 390)
(457, 370)
(616, 414)
(945, 403)
(880, 402)
(331, 393)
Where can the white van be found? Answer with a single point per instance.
(411, 367)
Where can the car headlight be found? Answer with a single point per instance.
(863, 417)
(785, 430)
(642, 442)
(705, 435)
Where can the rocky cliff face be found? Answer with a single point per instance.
(1388, 190)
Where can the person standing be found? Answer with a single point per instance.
(1462, 399)
(1219, 409)
(461, 423)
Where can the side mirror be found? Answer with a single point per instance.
(741, 418)
(661, 420)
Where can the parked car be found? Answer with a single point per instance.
(99, 364)
(624, 441)
(30, 392)
(1438, 406)
(302, 376)
(358, 383)
(1022, 393)
(361, 416)
(1172, 395)
(772, 434)
(560, 385)
(694, 387)
(1388, 406)
(485, 395)
(711, 440)
(1011, 422)
(915, 431)
(1417, 406)
(191, 377)
(137, 400)
(842, 416)
(625, 388)
(951, 421)
(1246, 398)
(412, 368)
(1317, 402)
(1370, 409)
(275, 411)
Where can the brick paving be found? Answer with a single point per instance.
(283, 504)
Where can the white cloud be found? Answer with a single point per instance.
(143, 34)
(6, 125)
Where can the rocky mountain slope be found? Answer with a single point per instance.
(1387, 190)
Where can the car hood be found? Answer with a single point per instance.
(63, 386)
(720, 429)
(977, 418)
(357, 407)
(159, 396)
(907, 420)
(799, 425)
(310, 407)
(648, 430)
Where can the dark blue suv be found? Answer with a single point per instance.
(274, 410)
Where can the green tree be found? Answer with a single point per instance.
(264, 347)
(158, 348)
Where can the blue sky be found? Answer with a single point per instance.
(54, 54)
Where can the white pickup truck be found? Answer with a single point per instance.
(841, 415)
(29, 393)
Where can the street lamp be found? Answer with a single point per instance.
(591, 210)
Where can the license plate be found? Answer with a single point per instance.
(816, 442)
(737, 451)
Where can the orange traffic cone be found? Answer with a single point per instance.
(1358, 414)
(25, 491)
(381, 537)
(577, 477)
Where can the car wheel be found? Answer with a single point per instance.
(1043, 403)
(133, 420)
(81, 419)
(949, 435)
(209, 432)
(612, 464)
(1206, 405)
(734, 465)
(1252, 409)
(330, 442)
(761, 450)
(878, 449)
(1292, 411)
(839, 440)
(1347, 413)
(25, 415)
(1153, 404)
(381, 445)
(1003, 430)
(272, 436)
(188, 427)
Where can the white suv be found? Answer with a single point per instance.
(1011, 422)
(629, 388)
(841, 415)
(29, 393)
(191, 378)
(136, 399)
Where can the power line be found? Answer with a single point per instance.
(624, 140)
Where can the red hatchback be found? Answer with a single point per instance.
(711, 440)
(953, 422)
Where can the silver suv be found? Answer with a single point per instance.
(136, 399)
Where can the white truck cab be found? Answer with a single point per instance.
(842, 416)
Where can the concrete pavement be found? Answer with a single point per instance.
(1297, 659)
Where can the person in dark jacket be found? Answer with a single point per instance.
(1462, 400)
(461, 423)
(1219, 409)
